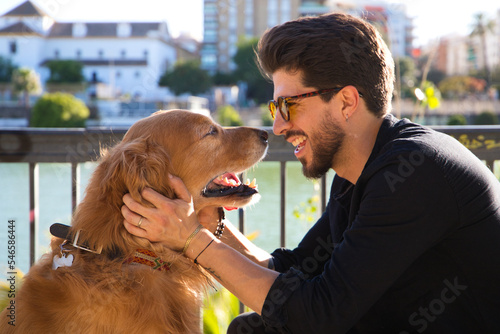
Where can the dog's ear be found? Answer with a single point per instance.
(131, 166)
(128, 167)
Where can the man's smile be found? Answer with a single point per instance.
(299, 143)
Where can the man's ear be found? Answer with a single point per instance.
(350, 100)
(131, 166)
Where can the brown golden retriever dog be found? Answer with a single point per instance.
(71, 290)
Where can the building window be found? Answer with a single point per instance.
(78, 54)
(56, 54)
(124, 54)
(13, 47)
(101, 54)
(146, 53)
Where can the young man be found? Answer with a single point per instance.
(410, 239)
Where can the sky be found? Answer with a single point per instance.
(431, 18)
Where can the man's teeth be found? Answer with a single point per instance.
(297, 141)
(252, 184)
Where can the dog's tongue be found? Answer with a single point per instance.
(228, 208)
(228, 180)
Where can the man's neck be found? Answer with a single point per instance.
(358, 148)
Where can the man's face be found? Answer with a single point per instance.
(313, 128)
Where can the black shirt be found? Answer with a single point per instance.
(413, 247)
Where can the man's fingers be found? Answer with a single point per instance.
(180, 188)
(129, 215)
(134, 206)
(132, 229)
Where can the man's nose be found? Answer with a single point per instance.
(280, 126)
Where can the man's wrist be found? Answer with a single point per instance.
(198, 243)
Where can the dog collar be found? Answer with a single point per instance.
(149, 258)
(63, 231)
(142, 256)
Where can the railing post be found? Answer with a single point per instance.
(323, 193)
(75, 181)
(283, 206)
(34, 211)
(491, 165)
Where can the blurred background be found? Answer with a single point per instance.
(90, 63)
(126, 59)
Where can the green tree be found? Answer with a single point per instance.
(228, 116)
(59, 110)
(461, 85)
(407, 77)
(6, 70)
(65, 71)
(186, 77)
(223, 79)
(27, 82)
(258, 88)
(480, 28)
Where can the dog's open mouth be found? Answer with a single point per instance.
(229, 184)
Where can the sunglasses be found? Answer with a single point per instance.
(282, 103)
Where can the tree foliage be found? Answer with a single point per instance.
(259, 88)
(65, 71)
(482, 25)
(26, 81)
(228, 116)
(59, 110)
(460, 86)
(186, 77)
(457, 119)
(6, 70)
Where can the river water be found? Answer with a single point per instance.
(54, 193)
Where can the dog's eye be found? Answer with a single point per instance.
(212, 132)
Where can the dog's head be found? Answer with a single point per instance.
(191, 146)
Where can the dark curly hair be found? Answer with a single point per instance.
(332, 50)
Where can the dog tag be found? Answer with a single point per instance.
(63, 261)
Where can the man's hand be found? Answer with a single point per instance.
(169, 221)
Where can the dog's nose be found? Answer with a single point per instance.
(264, 136)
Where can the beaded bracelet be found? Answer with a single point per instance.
(188, 241)
(220, 229)
(220, 225)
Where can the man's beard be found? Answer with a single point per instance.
(325, 145)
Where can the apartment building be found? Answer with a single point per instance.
(227, 21)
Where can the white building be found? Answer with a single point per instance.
(119, 57)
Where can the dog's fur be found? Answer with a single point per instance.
(101, 293)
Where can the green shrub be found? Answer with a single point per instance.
(228, 116)
(486, 118)
(220, 307)
(266, 118)
(5, 289)
(457, 120)
(59, 110)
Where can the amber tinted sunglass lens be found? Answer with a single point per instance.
(283, 108)
(272, 109)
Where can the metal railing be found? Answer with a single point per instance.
(75, 146)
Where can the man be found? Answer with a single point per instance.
(410, 239)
